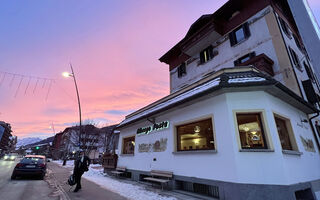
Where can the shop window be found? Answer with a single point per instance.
(195, 136)
(128, 145)
(239, 34)
(295, 58)
(251, 131)
(285, 133)
(207, 54)
(244, 58)
(182, 70)
(285, 27)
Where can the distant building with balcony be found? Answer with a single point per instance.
(95, 141)
(241, 120)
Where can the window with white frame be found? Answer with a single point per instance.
(285, 133)
(182, 70)
(195, 136)
(207, 54)
(295, 58)
(239, 34)
(285, 27)
(251, 131)
(128, 145)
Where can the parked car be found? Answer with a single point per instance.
(32, 165)
(10, 157)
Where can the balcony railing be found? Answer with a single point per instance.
(261, 62)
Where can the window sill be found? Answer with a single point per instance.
(290, 152)
(127, 155)
(256, 150)
(194, 151)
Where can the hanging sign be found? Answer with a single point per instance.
(155, 127)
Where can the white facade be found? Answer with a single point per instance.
(278, 168)
(228, 163)
(261, 41)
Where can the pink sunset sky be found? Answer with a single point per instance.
(114, 47)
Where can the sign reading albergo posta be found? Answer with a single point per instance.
(156, 127)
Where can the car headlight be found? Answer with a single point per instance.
(5, 157)
(12, 157)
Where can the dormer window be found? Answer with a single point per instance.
(182, 70)
(206, 55)
(240, 34)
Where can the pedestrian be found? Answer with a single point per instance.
(81, 165)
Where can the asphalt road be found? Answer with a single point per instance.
(23, 188)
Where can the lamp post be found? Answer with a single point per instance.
(67, 74)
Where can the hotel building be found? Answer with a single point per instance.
(241, 119)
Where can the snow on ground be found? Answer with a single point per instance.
(130, 191)
(69, 163)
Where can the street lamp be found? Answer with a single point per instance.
(67, 74)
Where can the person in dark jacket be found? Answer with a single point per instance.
(81, 165)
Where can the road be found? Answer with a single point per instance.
(53, 187)
(26, 189)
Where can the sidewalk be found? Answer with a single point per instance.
(96, 185)
(89, 191)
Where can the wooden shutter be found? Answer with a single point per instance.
(232, 38)
(202, 57)
(210, 51)
(246, 30)
(309, 90)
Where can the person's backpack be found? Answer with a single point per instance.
(71, 180)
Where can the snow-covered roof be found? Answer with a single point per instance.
(188, 94)
(225, 78)
(176, 99)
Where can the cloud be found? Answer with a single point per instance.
(118, 112)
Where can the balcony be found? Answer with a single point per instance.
(261, 62)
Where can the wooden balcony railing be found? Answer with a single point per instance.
(261, 62)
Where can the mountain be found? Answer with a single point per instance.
(26, 141)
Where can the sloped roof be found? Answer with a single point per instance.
(226, 78)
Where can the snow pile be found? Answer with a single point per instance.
(246, 80)
(130, 191)
(95, 174)
(69, 163)
(26, 141)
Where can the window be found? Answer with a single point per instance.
(182, 70)
(297, 41)
(309, 71)
(285, 133)
(244, 59)
(251, 131)
(295, 58)
(207, 54)
(239, 34)
(128, 145)
(285, 27)
(195, 136)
